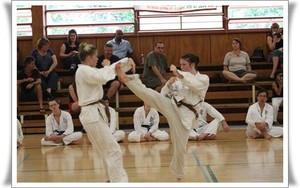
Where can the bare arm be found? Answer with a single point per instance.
(72, 93)
(225, 67)
(276, 88)
(158, 74)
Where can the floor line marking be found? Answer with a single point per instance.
(211, 173)
(22, 160)
(200, 165)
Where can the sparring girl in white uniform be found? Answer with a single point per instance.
(94, 114)
(188, 88)
(146, 121)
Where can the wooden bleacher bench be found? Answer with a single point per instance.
(231, 99)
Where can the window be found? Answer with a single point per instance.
(89, 19)
(253, 17)
(188, 17)
(24, 20)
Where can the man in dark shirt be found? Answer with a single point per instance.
(29, 83)
(112, 85)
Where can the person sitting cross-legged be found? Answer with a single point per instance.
(260, 119)
(59, 127)
(118, 134)
(146, 120)
(205, 130)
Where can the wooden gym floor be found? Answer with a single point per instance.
(231, 158)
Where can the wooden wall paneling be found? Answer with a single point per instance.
(25, 48)
(142, 45)
(177, 46)
(100, 42)
(254, 40)
(220, 45)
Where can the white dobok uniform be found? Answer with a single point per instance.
(65, 125)
(276, 102)
(20, 135)
(255, 114)
(143, 124)
(191, 89)
(89, 83)
(118, 134)
(205, 127)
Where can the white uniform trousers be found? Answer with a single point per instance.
(66, 140)
(274, 132)
(119, 135)
(210, 128)
(179, 134)
(20, 135)
(276, 102)
(135, 136)
(107, 150)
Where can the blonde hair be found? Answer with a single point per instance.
(85, 50)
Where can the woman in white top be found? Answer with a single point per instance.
(237, 64)
(178, 101)
(146, 120)
(94, 114)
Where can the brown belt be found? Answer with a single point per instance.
(105, 105)
(189, 106)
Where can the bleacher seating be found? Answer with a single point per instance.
(231, 99)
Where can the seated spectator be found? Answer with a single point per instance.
(277, 98)
(146, 120)
(155, 68)
(112, 85)
(20, 135)
(237, 64)
(205, 130)
(118, 134)
(46, 62)
(59, 127)
(260, 119)
(73, 99)
(121, 47)
(30, 84)
(275, 44)
(69, 51)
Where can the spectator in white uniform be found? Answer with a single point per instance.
(178, 101)
(59, 127)
(260, 119)
(118, 134)
(146, 121)
(20, 135)
(94, 114)
(205, 130)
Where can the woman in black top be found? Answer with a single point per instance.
(69, 51)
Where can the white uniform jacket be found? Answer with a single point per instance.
(89, 81)
(65, 124)
(140, 118)
(191, 90)
(210, 110)
(254, 115)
